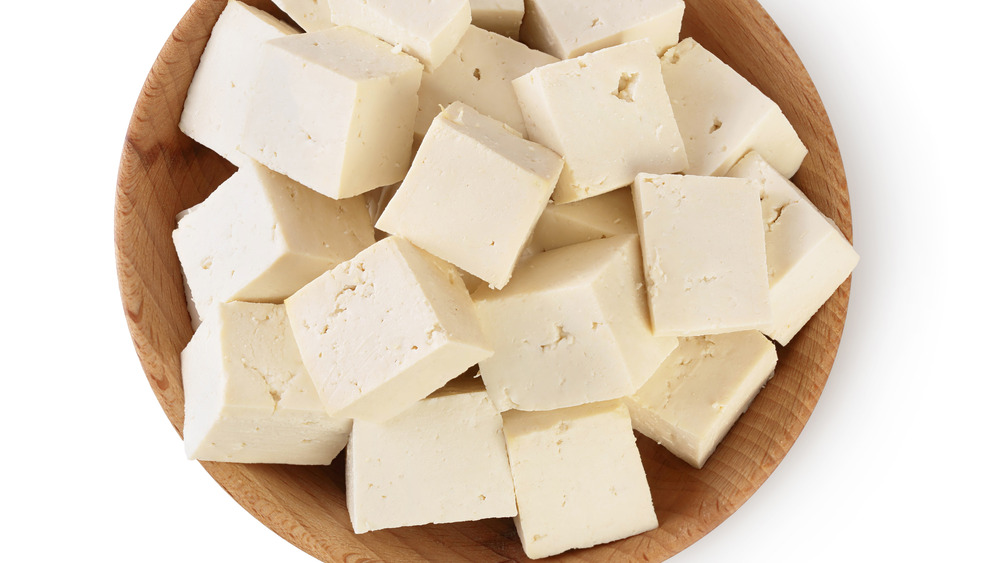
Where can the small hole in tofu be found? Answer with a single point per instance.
(477, 75)
(596, 22)
(716, 125)
(626, 86)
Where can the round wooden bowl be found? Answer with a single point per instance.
(164, 172)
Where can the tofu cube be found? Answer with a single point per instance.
(442, 460)
(499, 16)
(722, 116)
(261, 237)
(479, 73)
(384, 330)
(247, 396)
(808, 257)
(311, 15)
(427, 30)
(703, 251)
(473, 194)
(571, 328)
(218, 100)
(570, 28)
(697, 395)
(334, 110)
(598, 217)
(578, 478)
(608, 114)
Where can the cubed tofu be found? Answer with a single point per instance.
(570, 28)
(722, 116)
(608, 114)
(578, 478)
(473, 194)
(571, 328)
(808, 257)
(261, 237)
(603, 216)
(703, 252)
(311, 15)
(218, 100)
(334, 110)
(697, 395)
(428, 30)
(479, 73)
(444, 459)
(499, 16)
(247, 396)
(384, 330)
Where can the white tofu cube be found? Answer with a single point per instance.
(808, 257)
(603, 216)
(218, 100)
(570, 28)
(384, 330)
(334, 110)
(703, 251)
(608, 114)
(578, 478)
(442, 460)
(722, 116)
(571, 328)
(499, 16)
(311, 15)
(261, 237)
(697, 395)
(473, 194)
(247, 396)
(428, 30)
(479, 73)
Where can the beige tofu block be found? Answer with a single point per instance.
(473, 194)
(384, 330)
(697, 395)
(261, 236)
(334, 110)
(808, 257)
(603, 216)
(311, 15)
(428, 30)
(479, 73)
(442, 460)
(571, 328)
(703, 251)
(499, 16)
(570, 28)
(578, 478)
(218, 99)
(608, 114)
(722, 116)
(247, 396)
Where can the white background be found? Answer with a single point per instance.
(898, 462)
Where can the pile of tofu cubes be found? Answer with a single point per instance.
(477, 243)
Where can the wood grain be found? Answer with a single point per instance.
(163, 172)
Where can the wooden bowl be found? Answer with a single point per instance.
(163, 172)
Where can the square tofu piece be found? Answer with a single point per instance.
(384, 330)
(722, 116)
(261, 237)
(499, 16)
(428, 30)
(473, 194)
(571, 328)
(479, 73)
(695, 397)
(608, 114)
(247, 396)
(570, 28)
(444, 459)
(218, 99)
(334, 110)
(603, 216)
(578, 478)
(807, 255)
(311, 15)
(703, 251)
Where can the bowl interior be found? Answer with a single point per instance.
(163, 172)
